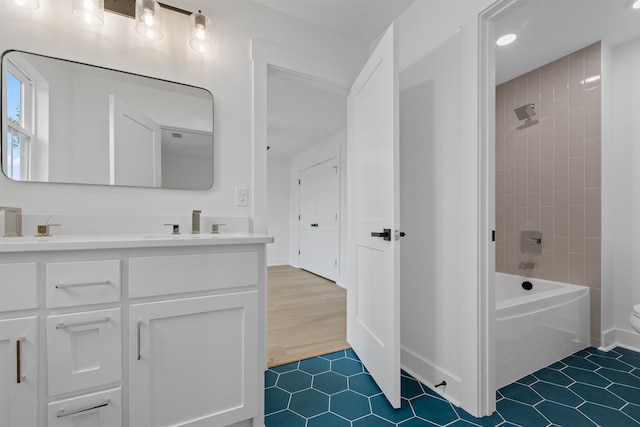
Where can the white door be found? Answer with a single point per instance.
(193, 361)
(19, 372)
(373, 302)
(319, 223)
(134, 146)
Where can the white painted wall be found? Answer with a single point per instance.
(226, 72)
(334, 146)
(278, 196)
(620, 193)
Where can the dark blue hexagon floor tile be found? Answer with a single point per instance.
(275, 400)
(381, 407)
(416, 422)
(346, 366)
(520, 414)
(626, 393)
(557, 366)
(270, 378)
(330, 382)
(610, 363)
(335, 355)
(633, 361)
(625, 352)
(438, 411)
(294, 381)
(410, 388)
(606, 416)
(563, 415)
(285, 368)
(611, 354)
(351, 354)
(349, 405)
(490, 421)
(633, 411)
(461, 423)
(553, 376)
(521, 393)
(619, 377)
(364, 384)
(284, 418)
(597, 394)
(309, 403)
(586, 377)
(328, 420)
(315, 365)
(372, 421)
(557, 394)
(529, 379)
(580, 362)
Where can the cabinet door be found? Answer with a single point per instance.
(194, 361)
(102, 409)
(18, 372)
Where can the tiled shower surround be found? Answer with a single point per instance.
(548, 173)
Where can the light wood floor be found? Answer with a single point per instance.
(306, 315)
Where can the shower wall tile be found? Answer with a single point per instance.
(592, 164)
(576, 181)
(546, 139)
(576, 83)
(576, 132)
(561, 121)
(548, 173)
(560, 78)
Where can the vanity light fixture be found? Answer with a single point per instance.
(506, 39)
(149, 19)
(635, 4)
(29, 4)
(200, 36)
(91, 11)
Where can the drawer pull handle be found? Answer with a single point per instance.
(19, 376)
(139, 323)
(78, 285)
(86, 322)
(63, 413)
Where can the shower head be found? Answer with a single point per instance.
(525, 112)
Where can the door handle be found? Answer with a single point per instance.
(386, 234)
(19, 376)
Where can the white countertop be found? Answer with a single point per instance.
(117, 241)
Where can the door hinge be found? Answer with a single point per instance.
(298, 252)
(298, 217)
(493, 235)
(299, 181)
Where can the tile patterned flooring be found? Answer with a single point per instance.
(589, 388)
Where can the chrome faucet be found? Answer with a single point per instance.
(195, 222)
(12, 221)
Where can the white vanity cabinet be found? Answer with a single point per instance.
(19, 371)
(133, 333)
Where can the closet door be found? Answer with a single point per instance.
(319, 220)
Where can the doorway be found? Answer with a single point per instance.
(306, 138)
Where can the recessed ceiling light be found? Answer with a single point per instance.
(636, 4)
(509, 38)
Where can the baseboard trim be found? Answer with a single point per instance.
(620, 338)
(429, 374)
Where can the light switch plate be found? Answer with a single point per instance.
(242, 196)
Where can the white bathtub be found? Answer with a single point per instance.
(539, 327)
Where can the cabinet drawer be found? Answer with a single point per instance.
(166, 275)
(18, 287)
(82, 283)
(102, 409)
(84, 350)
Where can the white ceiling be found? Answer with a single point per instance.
(550, 29)
(302, 110)
(362, 20)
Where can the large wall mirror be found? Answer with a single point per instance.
(67, 122)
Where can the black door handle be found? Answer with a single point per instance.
(386, 234)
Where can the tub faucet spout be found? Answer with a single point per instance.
(195, 222)
(12, 221)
